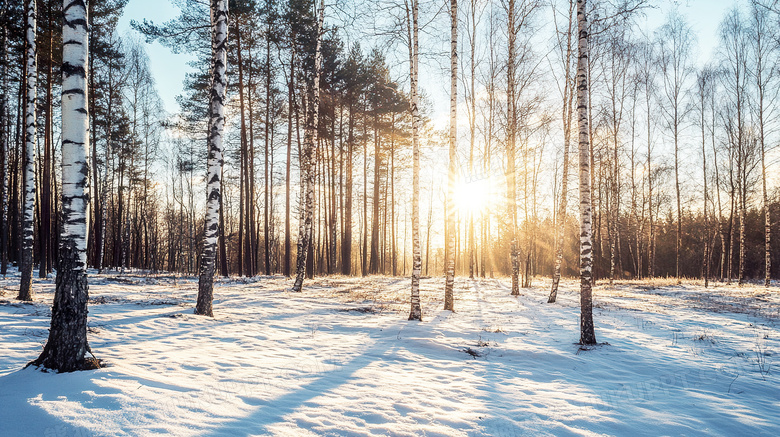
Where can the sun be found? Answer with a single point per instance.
(472, 196)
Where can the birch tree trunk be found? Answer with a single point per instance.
(449, 281)
(416, 311)
(30, 133)
(307, 160)
(67, 346)
(587, 331)
(219, 33)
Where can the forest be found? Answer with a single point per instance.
(435, 159)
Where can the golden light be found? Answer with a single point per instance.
(472, 196)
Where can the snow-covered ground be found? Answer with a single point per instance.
(341, 359)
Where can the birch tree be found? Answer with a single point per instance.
(587, 331)
(308, 159)
(451, 174)
(30, 134)
(67, 347)
(216, 126)
(412, 11)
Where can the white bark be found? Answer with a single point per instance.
(416, 311)
(308, 160)
(26, 264)
(216, 126)
(67, 347)
(449, 281)
(75, 131)
(587, 334)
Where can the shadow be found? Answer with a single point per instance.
(274, 410)
(24, 395)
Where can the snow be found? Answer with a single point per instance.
(341, 359)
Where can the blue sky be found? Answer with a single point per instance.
(168, 68)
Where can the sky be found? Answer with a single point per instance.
(169, 68)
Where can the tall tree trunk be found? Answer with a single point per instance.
(223, 261)
(67, 346)
(706, 262)
(651, 217)
(678, 237)
(346, 244)
(219, 33)
(767, 215)
(333, 237)
(251, 231)
(416, 310)
(291, 108)
(449, 281)
(268, 150)
(4, 137)
(373, 264)
(244, 239)
(763, 75)
(364, 252)
(742, 224)
(510, 153)
(568, 102)
(587, 331)
(393, 250)
(26, 264)
(309, 155)
(472, 131)
(45, 198)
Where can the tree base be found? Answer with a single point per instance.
(90, 363)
